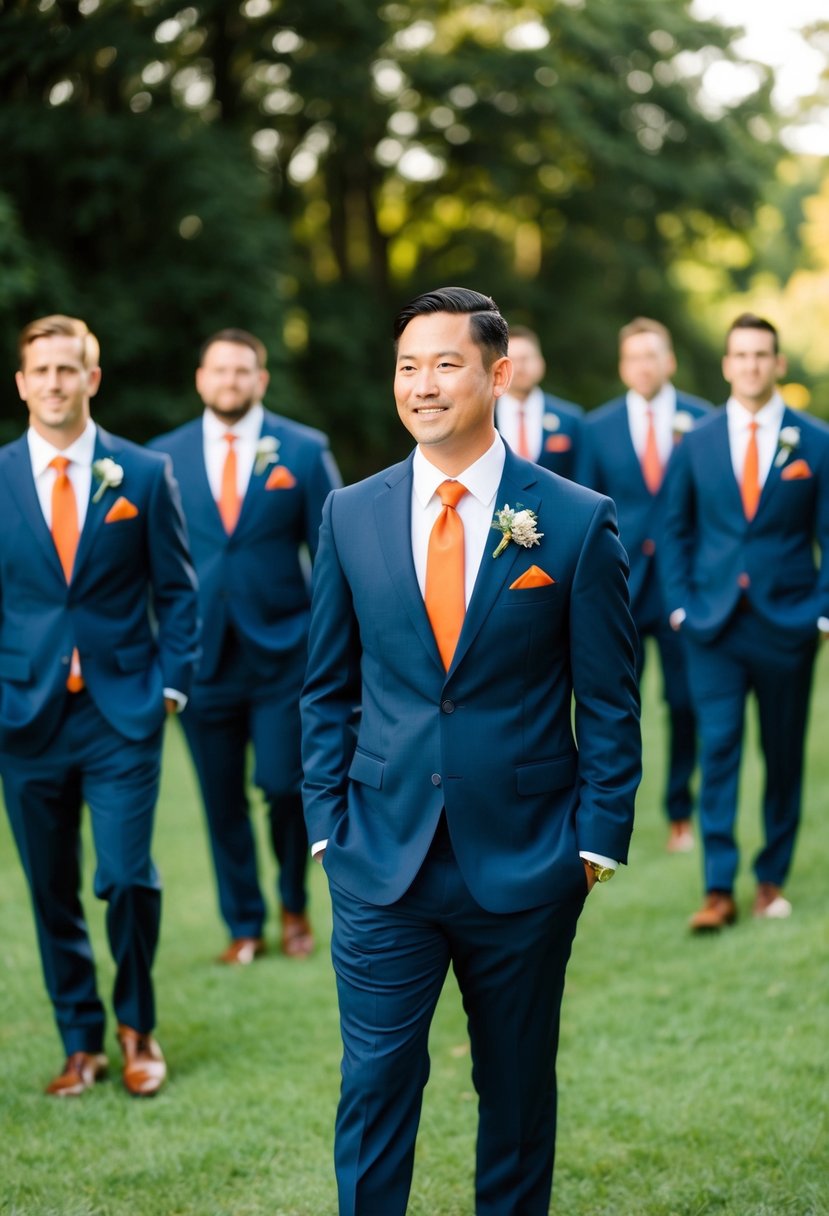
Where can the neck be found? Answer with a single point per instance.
(754, 404)
(229, 418)
(454, 463)
(59, 437)
(520, 394)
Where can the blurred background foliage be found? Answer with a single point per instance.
(303, 167)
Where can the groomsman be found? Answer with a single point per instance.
(97, 637)
(626, 449)
(253, 485)
(463, 812)
(748, 507)
(536, 425)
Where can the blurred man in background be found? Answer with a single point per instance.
(536, 425)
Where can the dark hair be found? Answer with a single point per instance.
(488, 328)
(748, 320)
(240, 337)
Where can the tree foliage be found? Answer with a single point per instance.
(302, 167)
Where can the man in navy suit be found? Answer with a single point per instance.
(626, 451)
(748, 504)
(253, 485)
(97, 633)
(535, 424)
(460, 820)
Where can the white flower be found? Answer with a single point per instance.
(108, 473)
(517, 525)
(683, 422)
(551, 422)
(267, 453)
(787, 441)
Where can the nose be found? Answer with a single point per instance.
(425, 386)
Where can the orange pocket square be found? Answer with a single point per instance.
(558, 443)
(798, 470)
(122, 508)
(280, 479)
(534, 577)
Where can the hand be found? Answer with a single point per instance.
(676, 618)
(171, 705)
(319, 856)
(590, 874)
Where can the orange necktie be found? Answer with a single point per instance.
(230, 504)
(523, 447)
(65, 533)
(750, 488)
(651, 464)
(445, 590)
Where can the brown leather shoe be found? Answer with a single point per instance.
(718, 911)
(297, 935)
(144, 1068)
(770, 903)
(80, 1072)
(242, 951)
(681, 838)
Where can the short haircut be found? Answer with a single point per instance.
(59, 326)
(748, 320)
(488, 328)
(240, 337)
(529, 335)
(645, 325)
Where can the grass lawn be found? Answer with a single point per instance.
(692, 1072)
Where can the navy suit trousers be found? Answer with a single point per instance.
(88, 761)
(682, 736)
(391, 963)
(750, 656)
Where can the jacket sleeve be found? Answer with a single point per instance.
(679, 531)
(173, 582)
(330, 702)
(323, 478)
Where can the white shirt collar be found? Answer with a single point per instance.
(42, 452)
(248, 427)
(533, 402)
(665, 400)
(481, 478)
(769, 415)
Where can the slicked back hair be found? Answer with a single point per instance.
(59, 326)
(748, 320)
(645, 325)
(488, 328)
(240, 337)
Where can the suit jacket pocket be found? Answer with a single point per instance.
(16, 668)
(135, 658)
(520, 597)
(368, 770)
(546, 775)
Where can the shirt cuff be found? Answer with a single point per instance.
(610, 862)
(823, 624)
(677, 617)
(179, 697)
(319, 846)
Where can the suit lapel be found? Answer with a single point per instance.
(720, 468)
(517, 479)
(95, 511)
(22, 485)
(393, 520)
(622, 443)
(774, 475)
(254, 498)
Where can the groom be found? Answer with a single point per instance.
(458, 818)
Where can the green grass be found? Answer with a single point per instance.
(693, 1072)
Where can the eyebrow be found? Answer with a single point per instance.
(456, 354)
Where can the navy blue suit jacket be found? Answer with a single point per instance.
(390, 738)
(130, 608)
(560, 430)
(607, 462)
(254, 579)
(714, 555)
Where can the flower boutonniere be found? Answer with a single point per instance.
(267, 453)
(551, 422)
(516, 525)
(109, 474)
(787, 441)
(683, 423)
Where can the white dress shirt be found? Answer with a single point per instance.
(769, 419)
(247, 432)
(79, 471)
(507, 409)
(663, 406)
(476, 509)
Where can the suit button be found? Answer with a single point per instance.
(435, 778)
(743, 581)
(648, 547)
(65, 659)
(448, 707)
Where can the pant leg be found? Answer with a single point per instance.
(120, 785)
(510, 969)
(782, 683)
(682, 744)
(720, 682)
(43, 801)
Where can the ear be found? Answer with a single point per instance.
(501, 372)
(782, 365)
(20, 381)
(93, 381)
